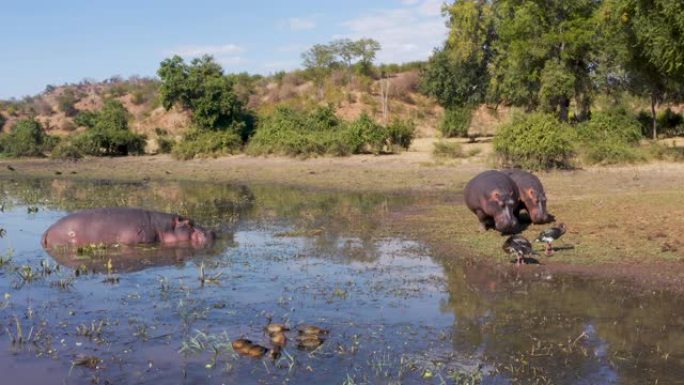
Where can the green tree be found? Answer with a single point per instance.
(529, 35)
(202, 88)
(365, 50)
(453, 83)
(112, 117)
(651, 37)
(318, 61)
(27, 138)
(108, 132)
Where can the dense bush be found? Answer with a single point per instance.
(108, 132)
(202, 143)
(66, 149)
(287, 131)
(455, 122)
(401, 133)
(108, 143)
(364, 134)
(27, 138)
(535, 141)
(3, 120)
(669, 123)
(67, 102)
(86, 119)
(610, 137)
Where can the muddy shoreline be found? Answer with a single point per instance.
(626, 222)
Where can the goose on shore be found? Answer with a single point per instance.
(549, 235)
(518, 246)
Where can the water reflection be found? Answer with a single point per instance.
(398, 314)
(125, 259)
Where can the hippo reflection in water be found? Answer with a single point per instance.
(127, 229)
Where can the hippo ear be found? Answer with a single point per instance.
(531, 193)
(496, 196)
(180, 221)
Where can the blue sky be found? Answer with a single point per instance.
(56, 42)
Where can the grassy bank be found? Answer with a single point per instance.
(619, 218)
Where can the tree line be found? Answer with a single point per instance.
(556, 56)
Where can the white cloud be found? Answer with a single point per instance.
(406, 34)
(300, 23)
(215, 50)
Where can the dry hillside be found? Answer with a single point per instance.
(350, 97)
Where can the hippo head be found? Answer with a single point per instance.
(535, 201)
(201, 237)
(502, 204)
(184, 231)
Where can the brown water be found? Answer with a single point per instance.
(396, 313)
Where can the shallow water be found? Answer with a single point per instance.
(396, 313)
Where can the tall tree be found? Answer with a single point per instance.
(457, 74)
(202, 88)
(652, 36)
(365, 50)
(318, 61)
(544, 46)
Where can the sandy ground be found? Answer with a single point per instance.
(624, 222)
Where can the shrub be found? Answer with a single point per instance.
(287, 131)
(206, 144)
(67, 102)
(86, 119)
(27, 139)
(401, 133)
(670, 123)
(610, 137)
(3, 120)
(137, 97)
(365, 134)
(535, 141)
(65, 149)
(165, 144)
(107, 143)
(455, 122)
(444, 149)
(108, 132)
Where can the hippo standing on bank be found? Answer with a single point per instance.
(125, 226)
(531, 196)
(493, 197)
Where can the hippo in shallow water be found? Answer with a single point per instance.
(531, 196)
(493, 197)
(125, 226)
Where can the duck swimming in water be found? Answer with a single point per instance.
(550, 235)
(519, 246)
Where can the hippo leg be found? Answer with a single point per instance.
(486, 222)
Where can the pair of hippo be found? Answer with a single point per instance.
(125, 226)
(497, 197)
